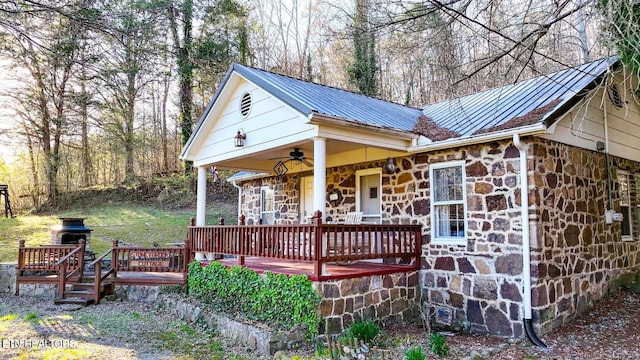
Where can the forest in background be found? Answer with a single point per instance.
(100, 93)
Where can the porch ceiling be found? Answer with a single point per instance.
(338, 153)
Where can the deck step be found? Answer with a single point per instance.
(83, 286)
(73, 300)
(79, 294)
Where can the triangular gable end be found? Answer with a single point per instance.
(268, 123)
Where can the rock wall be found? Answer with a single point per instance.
(257, 338)
(389, 299)
(578, 257)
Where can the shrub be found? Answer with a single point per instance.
(276, 299)
(364, 330)
(415, 353)
(438, 343)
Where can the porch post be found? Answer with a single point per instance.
(201, 200)
(319, 174)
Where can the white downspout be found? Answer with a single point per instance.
(239, 199)
(526, 242)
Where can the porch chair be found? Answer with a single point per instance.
(354, 217)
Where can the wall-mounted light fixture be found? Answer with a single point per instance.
(240, 138)
(390, 165)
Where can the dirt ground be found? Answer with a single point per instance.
(34, 328)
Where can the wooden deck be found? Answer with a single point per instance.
(147, 278)
(313, 249)
(334, 271)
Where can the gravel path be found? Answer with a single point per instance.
(34, 328)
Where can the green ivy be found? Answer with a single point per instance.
(279, 300)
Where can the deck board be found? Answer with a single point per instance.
(334, 271)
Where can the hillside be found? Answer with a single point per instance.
(143, 213)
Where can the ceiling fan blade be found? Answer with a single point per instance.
(307, 162)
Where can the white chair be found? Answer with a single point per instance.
(354, 217)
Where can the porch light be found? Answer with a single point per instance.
(240, 138)
(389, 165)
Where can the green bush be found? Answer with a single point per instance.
(438, 343)
(415, 353)
(276, 299)
(364, 330)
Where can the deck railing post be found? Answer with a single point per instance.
(63, 279)
(115, 258)
(241, 235)
(20, 265)
(81, 258)
(97, 283)
(319, 267)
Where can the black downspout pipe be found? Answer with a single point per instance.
(531, 335)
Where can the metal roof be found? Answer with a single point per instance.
(308, 98)
(487, 110)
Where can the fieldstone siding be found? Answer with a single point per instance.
(287, 195)
(474, 287)
(390, 299)
(578, 257)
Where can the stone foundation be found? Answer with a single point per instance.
(388, 299)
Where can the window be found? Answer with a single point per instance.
(625, 204)
(267, 205)
(448, 203)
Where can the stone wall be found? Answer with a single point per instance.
(389, 299)
(260, 339)
(577, 257)
(8, 284)
(476, 286)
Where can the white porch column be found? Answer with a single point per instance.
(319, 175)
(201, 202)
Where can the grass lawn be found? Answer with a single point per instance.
(130, 223)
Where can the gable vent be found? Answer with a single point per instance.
(614, 96)
(245, 104)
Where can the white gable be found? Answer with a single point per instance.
(270, 124)
(584, 125)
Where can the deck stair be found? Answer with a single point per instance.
(82, 292)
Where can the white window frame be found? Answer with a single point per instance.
(447, 240)
(264, 214)
(626, 213)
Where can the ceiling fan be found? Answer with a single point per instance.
(296, 155)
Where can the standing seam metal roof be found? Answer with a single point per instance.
(308, 97)
(470, 114)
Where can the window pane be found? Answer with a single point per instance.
(449, 220)
(623, 191)
(448, 184)
(626, 220)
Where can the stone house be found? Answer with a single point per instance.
(528, 195)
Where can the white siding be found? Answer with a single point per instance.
(584, 125)
(269, 124)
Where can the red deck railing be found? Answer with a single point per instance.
(319, 243)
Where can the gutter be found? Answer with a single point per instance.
(538, 128)
(526, 244)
